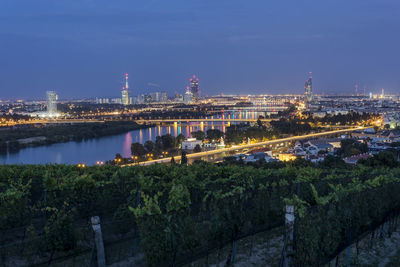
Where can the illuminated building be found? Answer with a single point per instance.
(188, 96)
(194, 88)
(125, 92)
(52, 98)
(191, 143)
(286, 157)
(308, 89)
(159, 97)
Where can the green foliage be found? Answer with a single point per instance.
(333, 162)
(384, 158)
(197, 149)
(184, 159)
(60, 233)
(344, 213)
(350, 147)
(149, 146)
(179, 139)
(14, 199)
(199, 135)
(214, 135)
(179, 209)
(138, 149)
(292, 126)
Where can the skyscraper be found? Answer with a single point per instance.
(52, 98)
(308, 88)
(188, 96)
(194, 88)
(125, 92)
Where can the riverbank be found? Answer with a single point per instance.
(14, 139)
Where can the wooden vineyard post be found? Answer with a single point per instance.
(98, 239)
(288, 252)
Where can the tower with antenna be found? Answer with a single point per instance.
(125, 91)
(356, 88)
(308, 89)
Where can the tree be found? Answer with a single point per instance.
(214, 134)
(259, 122)
(350, 147)
(168, 141)
(197, 149)
(149, 146)
(384, 158)
(395, 144)
(199, 135)
(137, 149)
(331, 162)
(158, 145)
(234, 135)
(179, 139)
(184, 159)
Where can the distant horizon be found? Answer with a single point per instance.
(43, 99)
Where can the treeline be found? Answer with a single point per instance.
(237, 134)
(13, 117)
(350, 147)
(343, 119)
(165, 145)
(180, 209)
(62, 133)
(211, 135)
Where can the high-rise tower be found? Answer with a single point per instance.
(188, 96)
(125, 92)
(52, 98)
(194, 88)
(308, 89)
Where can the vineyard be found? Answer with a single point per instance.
(177, 214)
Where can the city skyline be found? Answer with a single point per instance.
(233, 46)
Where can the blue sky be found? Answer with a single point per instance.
(81, 48)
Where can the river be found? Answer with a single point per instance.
(105, 148)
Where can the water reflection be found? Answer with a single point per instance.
(105, 148)
(126, 147)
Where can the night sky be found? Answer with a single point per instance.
(81, 48)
